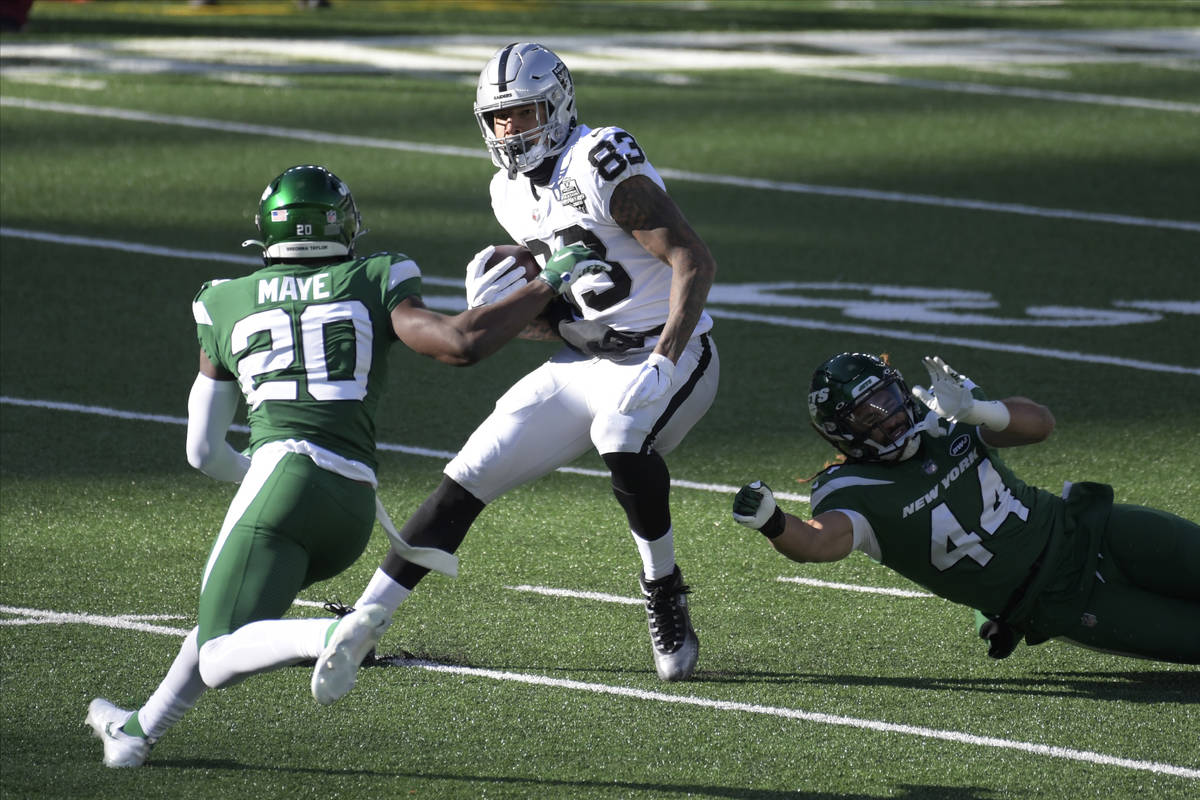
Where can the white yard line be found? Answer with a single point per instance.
(445, 455)
(850, 587)
(27, 615)
(1051, 751)
(575, 594)
(578, 595)
(1024, 92)
(456, 303)
(966, 204)
(837, 55)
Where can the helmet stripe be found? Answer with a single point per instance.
(502, 68)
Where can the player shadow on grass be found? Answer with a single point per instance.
(1138, 686)
(550, 787)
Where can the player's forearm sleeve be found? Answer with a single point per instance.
(211, 406)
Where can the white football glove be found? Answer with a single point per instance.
(651, 383)
(493, 285)
(949, 396)
(754, 505)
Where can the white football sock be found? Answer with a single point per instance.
(384, 591)
(658, 556)
(260, 647)
(177, 693)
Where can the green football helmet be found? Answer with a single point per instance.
(863, 407)
(306, 213)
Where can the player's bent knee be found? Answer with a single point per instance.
(214, 670)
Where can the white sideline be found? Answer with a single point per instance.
(1051, 751)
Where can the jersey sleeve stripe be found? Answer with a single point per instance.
(402, 271)
(200, 313)
(832, 486)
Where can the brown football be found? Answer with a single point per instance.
(545, 324)
(523, 255)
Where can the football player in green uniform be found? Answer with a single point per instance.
(305, 340)
(923, 490)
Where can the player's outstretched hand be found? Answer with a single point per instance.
(754, 505)
(491, 285)
(949, 396)
(651, 383)
(570, 262)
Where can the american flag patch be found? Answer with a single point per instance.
(279, 215)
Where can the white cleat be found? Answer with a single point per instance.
(672, 638)
(120, 749)
(337, 666)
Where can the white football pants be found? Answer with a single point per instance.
(554, 414)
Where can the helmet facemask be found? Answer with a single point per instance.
(882, 423)
(523, 151)
(863, 408)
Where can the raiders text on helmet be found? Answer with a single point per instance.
(516, 75)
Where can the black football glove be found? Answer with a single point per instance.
(1002, 639)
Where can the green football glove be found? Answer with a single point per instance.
(755, 507)
(570, 262)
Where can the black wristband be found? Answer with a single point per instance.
(775, 525)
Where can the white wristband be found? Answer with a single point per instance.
(992, 414)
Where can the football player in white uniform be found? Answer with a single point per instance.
(640, 368)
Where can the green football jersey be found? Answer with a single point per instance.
(952, 518)
(308, 346)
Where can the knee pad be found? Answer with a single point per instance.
(642, 485)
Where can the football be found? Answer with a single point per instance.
(523, 255)
(545, 325)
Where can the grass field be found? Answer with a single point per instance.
(1013, 187)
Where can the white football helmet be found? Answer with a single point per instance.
(518, 74)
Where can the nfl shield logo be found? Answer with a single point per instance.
(331, 216)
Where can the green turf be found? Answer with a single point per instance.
(102, 516)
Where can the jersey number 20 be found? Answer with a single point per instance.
(277, 324)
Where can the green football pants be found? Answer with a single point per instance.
(290, 525)
(1146, 599)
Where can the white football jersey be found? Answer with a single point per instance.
(574, 207)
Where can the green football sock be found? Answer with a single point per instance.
(132, 727)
